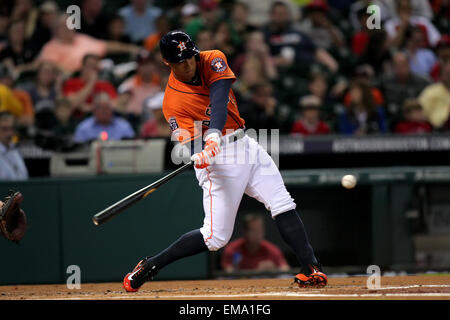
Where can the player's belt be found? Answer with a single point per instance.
(235, 136)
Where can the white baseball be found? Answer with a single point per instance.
(348, 181)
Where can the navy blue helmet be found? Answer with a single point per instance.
(177, 46)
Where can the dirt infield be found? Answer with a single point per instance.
(435, 287)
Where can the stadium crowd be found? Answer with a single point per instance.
(304, 66)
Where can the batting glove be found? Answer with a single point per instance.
(212, 148)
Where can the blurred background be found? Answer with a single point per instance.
(351, 90)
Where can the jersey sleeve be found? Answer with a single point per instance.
(217, 68)
(181, 125)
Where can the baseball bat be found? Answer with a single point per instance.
(118, 207)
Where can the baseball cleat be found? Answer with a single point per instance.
(312, 276)
(140, 274)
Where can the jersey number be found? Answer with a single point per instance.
(208, 113)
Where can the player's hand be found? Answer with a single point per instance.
(212, 148)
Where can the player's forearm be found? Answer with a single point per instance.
(219, 103)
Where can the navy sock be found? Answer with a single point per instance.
(294, 234)
(187, 245)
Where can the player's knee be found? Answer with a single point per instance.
(215, 243)
(282, 206)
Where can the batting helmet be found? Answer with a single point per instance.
(177, 46)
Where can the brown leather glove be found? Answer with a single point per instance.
(13, 221)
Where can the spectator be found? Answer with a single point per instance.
(223, 41)
(162, 27)
(363, 116)
(259, 10)
(255, 63)
(48, 12)
(116, 30)
(377, 52)
(17, 51)
(205, 40)
(401, 85)
(26, 116)
(252, 251)
(134, 90)
(25, 11)
(65, 123)
(156, 127)
(310, 123)
(443, 55)
(239, 25)
(8, 101)
(80, 90)
(414, 119)
(103, 124)
(188, 12)
(12, 166)
(67, 47)
(94, 23)
(317, 24)
(140, 17)
(360, 38)
(365, 73)
(55, 127)
(259, 111)
(208, 19)
(435, 100)
(289, 45)
(397, 26)
(45, 89)
(421, 60)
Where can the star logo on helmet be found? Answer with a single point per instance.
(182, 46)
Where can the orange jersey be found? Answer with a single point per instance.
(188, 106)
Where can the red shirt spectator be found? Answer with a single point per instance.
(415, 121)
(300, 127)
(310, 123)
(237, 255)
(253, 252)
(408, 127)
(73, 85)
(81, 90)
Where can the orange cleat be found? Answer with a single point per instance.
(140, 274)
(312, 277)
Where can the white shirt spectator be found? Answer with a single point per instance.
(139, 26)
(433, 35)
(12, 166)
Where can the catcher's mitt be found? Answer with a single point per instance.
(13, 221)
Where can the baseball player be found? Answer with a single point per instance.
(199, 105)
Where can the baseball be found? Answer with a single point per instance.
(348, 181)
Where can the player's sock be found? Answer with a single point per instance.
(294, 234)
(187, 245)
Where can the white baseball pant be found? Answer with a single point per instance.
(242, 167)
